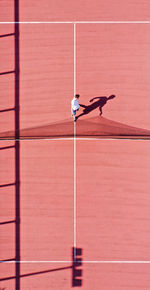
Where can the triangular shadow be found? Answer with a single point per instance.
(94, 127)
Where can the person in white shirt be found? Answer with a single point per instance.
(75, 106)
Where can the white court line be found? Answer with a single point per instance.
(78, 138)
(85, 262)
(76, 22)
(117, 262)
(75, 225)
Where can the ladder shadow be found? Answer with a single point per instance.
(16, 146)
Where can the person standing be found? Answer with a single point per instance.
(75, 106)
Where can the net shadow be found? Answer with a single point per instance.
(96, 127)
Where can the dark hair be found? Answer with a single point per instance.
(111, 97)
(77, 96)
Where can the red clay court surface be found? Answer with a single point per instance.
(83, 185)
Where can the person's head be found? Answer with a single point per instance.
(111, 97)
(77, 96)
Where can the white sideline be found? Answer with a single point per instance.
(86, 262)
(78, 138)
(76, 22)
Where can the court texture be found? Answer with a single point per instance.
(75, 196)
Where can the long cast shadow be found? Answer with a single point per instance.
(8, 222)
(100, 103)
(7, 110)
(8, 184)
(37, 273)
(6, 35)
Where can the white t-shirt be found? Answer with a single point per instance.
(75, 104)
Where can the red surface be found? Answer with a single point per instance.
(47, 279)
(7, 271)
(46, 200)
(6, 80)
(46, 73)
(112, 176)
(113, 199)
(81, 10)
(6, 11)
(116, 277)
(114, 59)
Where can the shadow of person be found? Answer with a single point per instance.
(100, 103)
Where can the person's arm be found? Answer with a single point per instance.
(94, 99)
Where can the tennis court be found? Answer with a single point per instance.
(75, 196)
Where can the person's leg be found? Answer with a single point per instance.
(74, 115)
(82, 114)
(100, 109)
